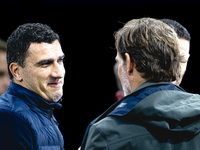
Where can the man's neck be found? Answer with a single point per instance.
(137, 80)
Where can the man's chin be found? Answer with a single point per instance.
(57, 97)
(54, 96)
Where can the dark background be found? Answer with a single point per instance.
(86, 30)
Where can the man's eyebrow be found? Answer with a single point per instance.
(44, 61)
(47, 61)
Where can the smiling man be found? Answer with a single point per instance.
(36, 69)
(45, 73)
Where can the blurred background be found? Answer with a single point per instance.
(86, 30)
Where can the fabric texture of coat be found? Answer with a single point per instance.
(27, 121)
(155, 116)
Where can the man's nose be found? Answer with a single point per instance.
(58, 71)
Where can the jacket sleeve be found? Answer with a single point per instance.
(96, 140)
(14, 134)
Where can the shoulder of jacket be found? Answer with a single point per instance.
(116, 131)
(107, 120)
(107, 125)
(171, 93)
(104, 125)
(96, 139)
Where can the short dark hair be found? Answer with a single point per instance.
(20, 40)
(181, 31)
(153, 46)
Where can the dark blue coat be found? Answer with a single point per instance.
(27, 121)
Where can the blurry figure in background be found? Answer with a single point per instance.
(120, 93)
(184, 41)
(4, 76)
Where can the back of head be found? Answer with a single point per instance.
(20, 40)
(153, 46)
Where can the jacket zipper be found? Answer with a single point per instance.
(50, 116)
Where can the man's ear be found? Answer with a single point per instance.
(15, 70)
(130, 65)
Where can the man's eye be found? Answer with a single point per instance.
(45, 64)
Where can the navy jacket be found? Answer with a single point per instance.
(154, 116)
(27, 121)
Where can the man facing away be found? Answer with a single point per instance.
(4, 77)
(184, 48)
(155, 113)
(36, 69)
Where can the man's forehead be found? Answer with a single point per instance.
(45, 49)
(184, 45)
(40, 47)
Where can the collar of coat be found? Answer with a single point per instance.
(145, 90)
(32, 98)
(119, 109)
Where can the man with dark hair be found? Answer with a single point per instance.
(181, 31)
(155, 113)
(4, 77)
(36, 69)
(184, 42)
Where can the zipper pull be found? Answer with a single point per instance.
(51, 113)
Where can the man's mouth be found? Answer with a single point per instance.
(57, 83)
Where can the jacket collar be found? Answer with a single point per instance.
(149, 84)
(32, 98)
(133, 93)
(129, 103)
